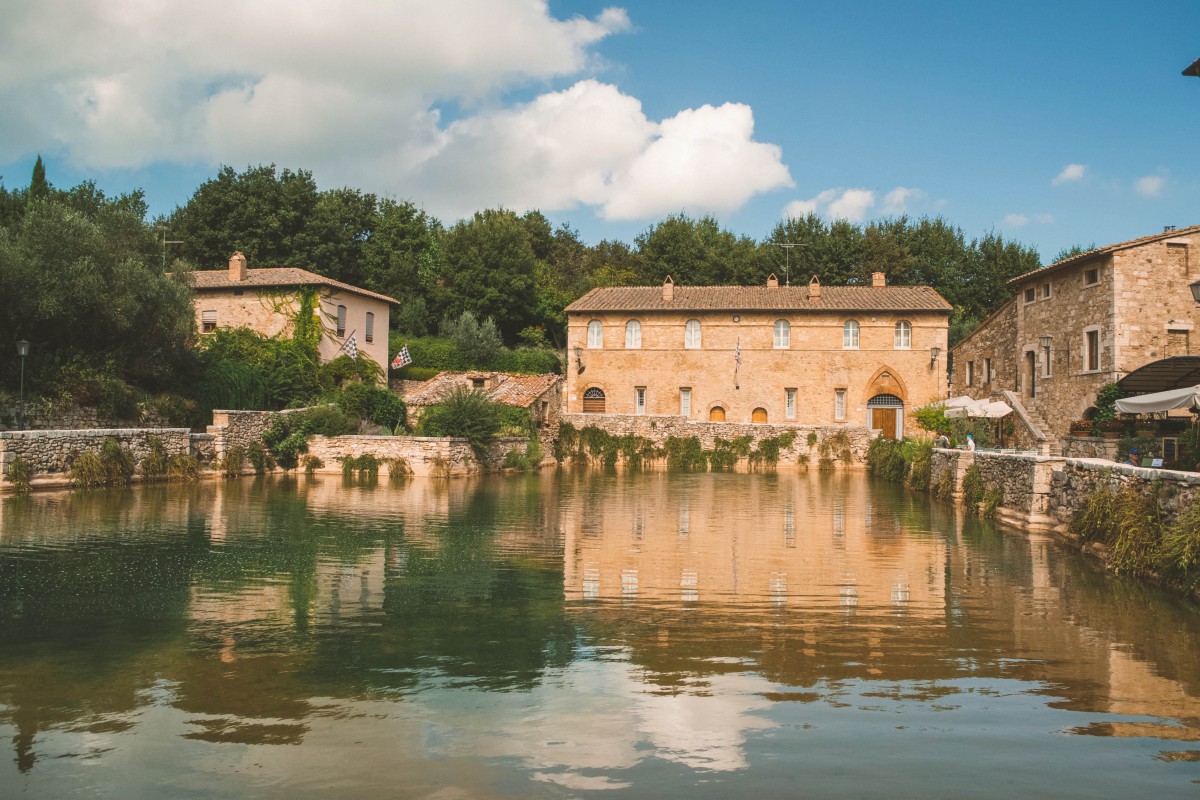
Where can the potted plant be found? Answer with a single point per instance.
(1111, 429)
(1081, 427)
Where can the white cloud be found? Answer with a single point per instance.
(853, 205)
(897, 200)
(1070, 174)
(1043, 219)
(352, 91)
(1150, 185)
(1015, 220)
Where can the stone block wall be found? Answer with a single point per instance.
(995, 338)
(51, 453)
(659, 428)
(1089, 447)
(1075, 479)
(425, 456)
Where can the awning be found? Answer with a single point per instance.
(1160, 401)
(1176, 372)
(981, 409)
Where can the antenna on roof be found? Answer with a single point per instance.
(787, 252)
(165, 242)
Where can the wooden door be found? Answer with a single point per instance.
(759, 415)
(717, 414)
(884, 420)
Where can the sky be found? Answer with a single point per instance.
(1055, 124)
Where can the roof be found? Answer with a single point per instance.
(762, 298)
(276, 276)
(510, 390)
(1176, 372)
(1103, 251)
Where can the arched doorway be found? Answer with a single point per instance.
(885, 413)
(1031, 373)
(593, 401)
(758, 415)
(716, 414)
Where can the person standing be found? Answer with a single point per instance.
(970, 443)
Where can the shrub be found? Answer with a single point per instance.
(365, 465)
(992, 499)
(399, 466)
(885, 459)
(1179, 558)
(466, 414)
(119, 464)
(20, 475)
(260, 458)
(685, 453)
(411, 373)
(87, 470)
(344, 370)
(516, 459)
(812, 438)
(231, 461)
(311, 464)
(154, 465)
(919, 453)
(1139, 531)
(972, 487)
(183, 468)
(479, 342)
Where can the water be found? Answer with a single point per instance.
(575, 635)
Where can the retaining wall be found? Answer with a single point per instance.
(659, 428)
(51, 453)
(425, 456)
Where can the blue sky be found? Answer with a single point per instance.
(1052, 123)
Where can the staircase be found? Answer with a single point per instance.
(1048, 444)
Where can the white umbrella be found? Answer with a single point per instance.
(1160, 401)
(981, 409)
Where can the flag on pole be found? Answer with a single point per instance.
(402, 359)
(350, 348)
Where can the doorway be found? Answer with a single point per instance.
(885, 413)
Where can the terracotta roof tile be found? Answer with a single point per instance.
(761, 298)
(1103, 251)
(276, 276)
(510, 390)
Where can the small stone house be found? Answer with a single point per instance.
(1083, 322)
(541, 395)
(791, 355)
(267, 301)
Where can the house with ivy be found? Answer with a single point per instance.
(275, 300)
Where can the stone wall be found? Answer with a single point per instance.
(425, 456)
(994, 339)
(658, 428)
(1075, 479)
(51, 453)
(1089, 447)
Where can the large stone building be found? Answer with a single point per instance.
(808, 355)
(1083, 322)
(268, 300)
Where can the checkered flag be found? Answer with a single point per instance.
(402, 359)
(350, 348)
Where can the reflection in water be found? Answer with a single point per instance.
(634, 634)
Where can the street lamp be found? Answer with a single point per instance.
(934, 352)
(22, 352)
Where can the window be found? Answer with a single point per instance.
(595, 335)
(341, 321)
(903, 335)
(685, 402)
(839, 404)
(783, 334)
(850, 335)
(1091, 277)
(1045, 290)
(633, 334)
(970, 373)
(1030, 294)
(369, 333)
(1046, 360)
(691, 334)
(641, 400)
(593, 401)
(1091, 350)
(477, 384)
(790, 405)
(208, 321)
(987, 370)
(716, 414)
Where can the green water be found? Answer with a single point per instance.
(575, 635)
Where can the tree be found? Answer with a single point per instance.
(401, 257)
(697, 252)
(478, 341)
(489, 268)
(1072, 251)
(39, 187)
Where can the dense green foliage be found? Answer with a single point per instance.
(685, 454)
(443, 354)
(466, 414)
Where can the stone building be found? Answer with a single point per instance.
(1083, 322)
(268, 300)
(803, 356)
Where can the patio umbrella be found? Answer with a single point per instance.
(1161, 401)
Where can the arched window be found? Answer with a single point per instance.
(595, 335)
(903, 335)
(341, 321)
(783, 334)
(593, 401)
(716, 414)
(759, 415)
(633, 334)
(850, 335)
(691, 334)
(369, 332)
(885, 413)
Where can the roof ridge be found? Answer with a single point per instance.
(1096, 252)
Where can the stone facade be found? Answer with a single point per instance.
(1107, 313)
(424, 456)
(50, 454)
(659, 428)
(666, 371)
(267, 301)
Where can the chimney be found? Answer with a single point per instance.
(878, 279)
(814, 289)
(237, 267)
(772, 281)
(668, 290)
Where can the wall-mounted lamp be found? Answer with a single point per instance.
(579, 367)
(1195, 287)
(22, 353)
(934, 352)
